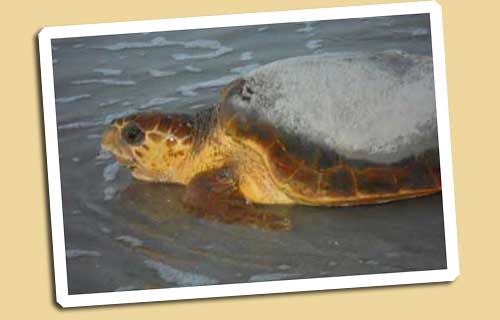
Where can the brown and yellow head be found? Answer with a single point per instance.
(154, 146)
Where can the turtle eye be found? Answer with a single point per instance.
(132, 133)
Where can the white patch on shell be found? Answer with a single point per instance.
(379, 107)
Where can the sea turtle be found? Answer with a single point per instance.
(321, 130)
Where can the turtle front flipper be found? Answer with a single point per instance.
(214, 195)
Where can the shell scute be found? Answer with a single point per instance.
(436, 171)
(264, 134)
(338, 182)
(300, 149)
(327, 159)
(414, 177)
(377, 180)
(281, 163)
(236, 123)
(305, 181)
(310, 169)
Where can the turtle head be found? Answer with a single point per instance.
(154, 146)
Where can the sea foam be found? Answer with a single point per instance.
(162, 42)
(75, 253)
(245, 69)
(155, 42)
(157, 102)
(314, 44)
(189, 90)
(72, 98)
(106, 81)
(308, 27)
(161, 73)
(132, 241)
(79, 125)
(108, 72)
(181, 278)
(209, 55)
(192, 69)
(215, 45)
(247, 55)
(272, 276)
(111, 171)
(109, 192)
(109, 102)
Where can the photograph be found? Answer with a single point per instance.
(248, 154)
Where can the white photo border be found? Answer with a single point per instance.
(242, 289)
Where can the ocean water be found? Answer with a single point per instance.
(122, 234)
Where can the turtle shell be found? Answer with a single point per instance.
(378, 107)
(315, 172)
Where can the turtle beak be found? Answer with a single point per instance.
(109, 139)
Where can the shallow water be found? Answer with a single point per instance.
(123, 234)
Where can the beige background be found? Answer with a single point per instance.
(471, 32)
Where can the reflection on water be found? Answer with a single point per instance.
(161, 203)
(123, 234)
